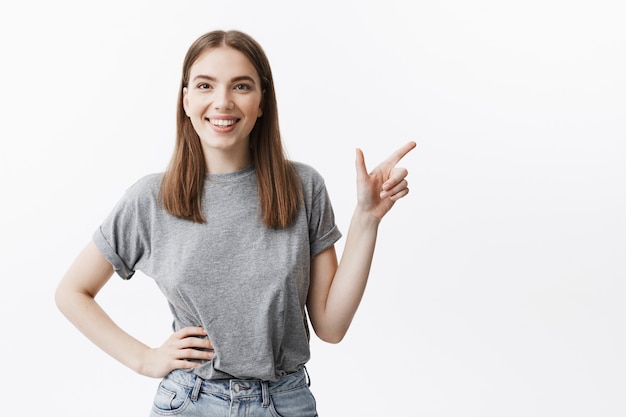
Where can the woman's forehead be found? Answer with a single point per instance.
(223, 61)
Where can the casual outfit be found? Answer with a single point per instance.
(244, 283)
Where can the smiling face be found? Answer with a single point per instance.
(223, 101)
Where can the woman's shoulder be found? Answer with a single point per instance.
(308, 174)
(140, 197)
(313, 183)
(145, 187)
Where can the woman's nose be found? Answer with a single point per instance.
(222, 99)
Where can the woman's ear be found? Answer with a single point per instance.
(260, 113)
(185, 101)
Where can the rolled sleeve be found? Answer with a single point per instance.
(120, 267)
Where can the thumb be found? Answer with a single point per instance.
(361, 170)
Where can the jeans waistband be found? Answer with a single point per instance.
(239, 388)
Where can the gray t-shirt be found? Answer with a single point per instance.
(244, 283)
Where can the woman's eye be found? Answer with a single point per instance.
(204, 86)
(243, 87)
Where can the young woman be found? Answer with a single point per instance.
(241, 242)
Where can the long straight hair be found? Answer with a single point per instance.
(279, 185)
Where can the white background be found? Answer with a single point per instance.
(498, 285)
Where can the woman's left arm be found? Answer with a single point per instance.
(337, 288)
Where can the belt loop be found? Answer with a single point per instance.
(308, 378)
(196, 389)
(265, 389)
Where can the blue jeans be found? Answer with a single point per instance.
(182, 393)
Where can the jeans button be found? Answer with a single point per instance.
(236, 388)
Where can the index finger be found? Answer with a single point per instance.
(401, 152)
(191, 331)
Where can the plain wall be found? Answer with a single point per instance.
(498, 284)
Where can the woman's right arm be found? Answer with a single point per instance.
(75, 297)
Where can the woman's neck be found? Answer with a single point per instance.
(220, 161)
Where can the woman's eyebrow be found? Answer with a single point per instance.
(235, 79)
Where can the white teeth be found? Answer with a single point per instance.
(222, 122)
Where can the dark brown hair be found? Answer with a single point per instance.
(278, 182)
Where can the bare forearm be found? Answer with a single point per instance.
(91, 320)
(352, 273)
